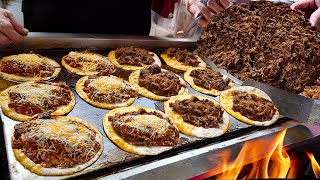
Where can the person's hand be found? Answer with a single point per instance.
(10, 30)
(311, 8)
(213, 7)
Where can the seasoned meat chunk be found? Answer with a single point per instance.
(145, 133)
(200, 113)
(184, 56)
(210, 79)
(253, 107)
(160, 83)
(133, 56)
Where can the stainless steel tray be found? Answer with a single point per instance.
(113, 159)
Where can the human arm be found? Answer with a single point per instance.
(10, 30)
(212, 7)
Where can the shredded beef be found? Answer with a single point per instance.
(183, 56)
(264, 41)
(74, 63)
(105, 69)
(44, 115)
(112, 97)
(160, 83)
(312, 91)
(253, 107)
(133, 56)
(18, 68)
(140, 112)
(49, 153)
(210, 79)
(49, 104)
(138, 137)
(200, 113)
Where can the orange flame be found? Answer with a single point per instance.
(274, 164)
(258, 158)
(314, 163)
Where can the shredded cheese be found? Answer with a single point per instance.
(107, 84)
(34, 92)
(71, 134)
(89, 61)
(28, 59)
(146, 123)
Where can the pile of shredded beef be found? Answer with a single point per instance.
(264, 41)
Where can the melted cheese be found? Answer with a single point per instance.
(33, 92)
(146, 123)
(79, 137)
(31, 61)
(91, 60)
(28, 59)
(107, 84)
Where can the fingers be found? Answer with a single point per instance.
(18, 27)
(303, 4)
(212, 4)
(193, 6)
(225, 3)
(10, 28)
(207, 14)
(4, 39)
(315, 17)
(202, 23)
(7, 29)
(212, 7)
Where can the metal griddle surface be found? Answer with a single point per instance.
(113, 159)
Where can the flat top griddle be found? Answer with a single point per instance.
(113, 159)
